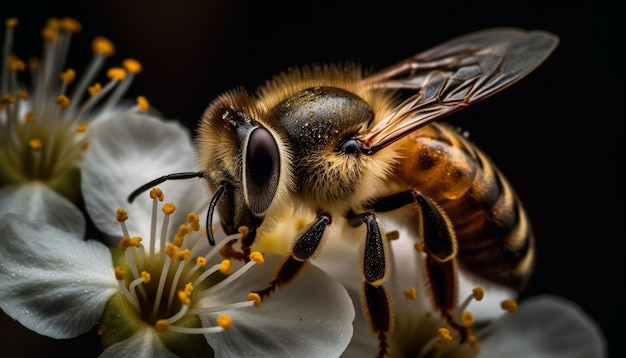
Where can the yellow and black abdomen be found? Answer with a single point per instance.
(495, 240)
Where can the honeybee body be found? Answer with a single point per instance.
(351, 147)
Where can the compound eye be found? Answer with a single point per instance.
(350, 146)
(262, 170)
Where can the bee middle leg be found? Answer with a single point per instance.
(440, 247)
(305, 245)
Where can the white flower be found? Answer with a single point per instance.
(543, 326)
(45, 129)
(167, 293)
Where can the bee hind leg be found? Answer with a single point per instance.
(303, 249)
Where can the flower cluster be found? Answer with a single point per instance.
(150, 281)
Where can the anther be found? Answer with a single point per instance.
(478, 293)
(509, 305)
(467, 318)
(244, 231)
(34, 144)
(132, 65)
(161, 325)
(143, 104)
(445, 335)
(156, 193)
(146, 276)
(225, 267)
(71, 25)
(184, 298)
(63, 101)
(119, 273)
(11, 22)
(94, 89)
(224, 321)
(81, 127)
(257, 257)
(410, 293)
(168, 208)
(255, 297)
(121, 215)
(68, 76)
(23, 94)
(194, 221)
(201, 261)
(116, 73)
(29, 117)
(419, 246)
(124, 243)
(393, 235)
(102, 45)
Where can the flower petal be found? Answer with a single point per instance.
(311, 316)
(51, 282)
(546, 326)
(40, 203)
(132, 150)
(145, 343)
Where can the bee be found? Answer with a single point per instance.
(353, 147)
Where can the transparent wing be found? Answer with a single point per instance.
(454, 75)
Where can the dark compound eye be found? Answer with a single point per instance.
(262, 169)
(350, 146)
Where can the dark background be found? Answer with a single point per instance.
(556, 134)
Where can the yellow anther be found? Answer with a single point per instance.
(188, 288)
(81, 127)
(15, 64)
(102, 46)
(473, 342)
(146, 276)
(478, 293)
(50, 33)
(161, 325)
(94, 89)
(183, 230)
(178, 240)
(29, 117)
(116, 73)
(253, 296)
(35, 144)
(34, 63)
(225, 267)
(445, 335)
(121, 215)
(54, 23)
(168, 208)
(63, 101)
(244, 231)
(184, 254)
(467, 318)
(131, 65)
(224, 321)
(124, 243)
(119, 273)
(156, 193)
(71, 25)
(135, 242)
(257, 257)
(212, 229)
(194, 221)
(23, 94)
(509, 305)
(419, 246)
(201, 261)
(410, 293)
(171, 250)
(6, 99)
(143, 104)
(184, 298)
(68, 76)
(11, 22)
(393, 235)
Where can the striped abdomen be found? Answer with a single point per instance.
(494, 237)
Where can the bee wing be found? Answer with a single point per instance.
(454, 75)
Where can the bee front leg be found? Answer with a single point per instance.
(303, 249)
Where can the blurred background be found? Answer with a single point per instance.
(557, 135)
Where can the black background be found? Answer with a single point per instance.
(556, 134)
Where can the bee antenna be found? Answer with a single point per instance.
(174, 176)
(209, 216)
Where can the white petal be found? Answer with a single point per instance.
(312, 316)
(40, 203)
(51, 282)
(145, 343)
(128, 152)
(546, 326)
